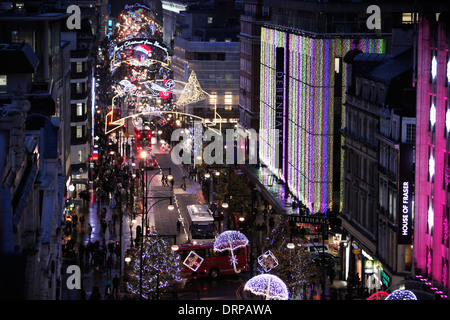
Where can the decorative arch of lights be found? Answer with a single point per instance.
(134, 23)
(120, 122)
(115, 63)
(136, 12)
(191, 93)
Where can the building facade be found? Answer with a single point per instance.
(378, 166)
(305, 104)
(31, 185)
(432, 207)
(253, 16)
(208, 45)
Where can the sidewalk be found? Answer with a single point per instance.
(93, 271)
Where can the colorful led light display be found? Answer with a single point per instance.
(309, 109)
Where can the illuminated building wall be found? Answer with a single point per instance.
(306, 116)
(432, 198)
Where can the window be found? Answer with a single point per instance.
(79, 109)
(411, 133)
(213, 98)
(228, 98)
(79, 87)
(79, 131)
(210, 20)
(80, 155)
(408, 18)
(337, 65)
(3, 83)
(79, 67)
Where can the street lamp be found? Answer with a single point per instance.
(169, 207)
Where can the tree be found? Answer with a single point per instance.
(161, 267)
(295, 266)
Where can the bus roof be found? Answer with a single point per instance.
(190, 246)
(140, 127)
(199, 212)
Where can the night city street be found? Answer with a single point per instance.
(225, 151)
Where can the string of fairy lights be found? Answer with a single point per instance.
(308, 117)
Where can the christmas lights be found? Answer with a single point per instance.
(160, 263)
(380, 295)
(192, 92)
(401, 295)
(269, 286)
(310, 65)
(229, 241)
(193, 261)
(268, 261)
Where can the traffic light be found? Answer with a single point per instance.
(148, 230)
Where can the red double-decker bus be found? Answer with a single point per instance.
(202, 261)
(143, 138)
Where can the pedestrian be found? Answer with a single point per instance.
(117, 249)
(81, 251)
(109, 264)
(108, 293)
(163, 181)
(115, 217)
(89, 231)
(178, 226)
(75, 220)
(116, 283)
(183, 183)
(331, 274)
(95, 294)
(110, 227)
(103, 226)
(103, 213)
(82, 219)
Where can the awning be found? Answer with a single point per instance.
(273, 193)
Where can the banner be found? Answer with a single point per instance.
(405, 193)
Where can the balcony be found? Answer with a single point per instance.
(83, 75)
(79, 55)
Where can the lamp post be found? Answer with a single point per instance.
(145, 212)
(170, 207)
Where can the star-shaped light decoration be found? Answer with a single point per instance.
(192, 92)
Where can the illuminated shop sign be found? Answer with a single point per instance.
(405, 192)
(279, 101)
